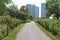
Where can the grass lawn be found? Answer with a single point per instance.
(12, 35)
(46, 32)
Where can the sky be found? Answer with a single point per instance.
(19, 3)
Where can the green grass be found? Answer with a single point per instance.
(46, 32)
(12, 35)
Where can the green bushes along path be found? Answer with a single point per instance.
(52, 25)
(12, 35)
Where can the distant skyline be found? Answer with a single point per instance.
(19, 3)
(33, 10)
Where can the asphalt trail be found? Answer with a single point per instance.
(31, 32)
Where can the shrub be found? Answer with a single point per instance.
(11, 24)
(51, 25)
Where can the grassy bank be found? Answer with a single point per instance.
(46, 32)
(12, 35)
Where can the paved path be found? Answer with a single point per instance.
(31, 32)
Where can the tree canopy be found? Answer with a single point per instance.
(3, 7)
(52, 7)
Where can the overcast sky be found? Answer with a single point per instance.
(19, 3)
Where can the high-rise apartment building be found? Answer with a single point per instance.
(43, 10)
(33, 10)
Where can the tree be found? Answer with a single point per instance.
(13, 11)
(23, 8)
(25, 11)
(3, 7)
(13, 7)
(52, 7)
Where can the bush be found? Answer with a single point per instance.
(51, 25)
(11, 24)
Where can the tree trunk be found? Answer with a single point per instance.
(57, 13)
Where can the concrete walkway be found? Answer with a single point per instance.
(31, 32)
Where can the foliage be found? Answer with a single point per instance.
(13, 7)
(3, 7)
(22, 14)
(52, 25)
(52, 7)
(11, 17)
(24, 10)
(12, 35)
(11, 23)
(47, 32)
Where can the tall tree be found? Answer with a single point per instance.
(13, 7)
(3, 7)
(24, 10)
(52, 7)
